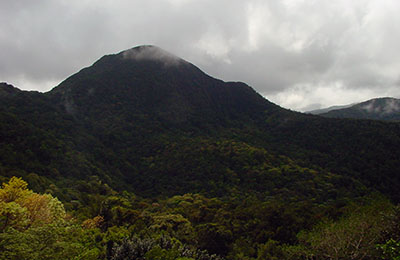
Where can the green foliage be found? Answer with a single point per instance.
(171, 152)
(161, 248)
(34, 226)
(51, 241)
(12, 214)
(270, 251)
(21, 208)
(353, 236)
(390, 249)
(14, 190)
(192, 226)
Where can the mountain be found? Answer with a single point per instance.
(7, 90)
(153, 158)
(325, 110)
(149, 81)
(149, 122)
(376, 109)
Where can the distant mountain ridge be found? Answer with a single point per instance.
(377, 109)
(325, 110)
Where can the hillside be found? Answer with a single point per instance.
(325, 110)
(110, 118)
(387, 109)
(143, 133)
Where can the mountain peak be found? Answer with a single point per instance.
(151, 53)
(147, 80)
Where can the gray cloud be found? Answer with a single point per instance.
(297, 53)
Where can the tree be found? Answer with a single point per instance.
(15, 190)
(22, 208)
(34, 226)
(160, 248)
(354, 236)
(390, 249)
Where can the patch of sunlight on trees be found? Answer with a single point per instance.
(36, 226)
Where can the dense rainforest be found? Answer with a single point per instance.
(144, 156)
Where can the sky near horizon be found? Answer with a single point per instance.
(300, 54)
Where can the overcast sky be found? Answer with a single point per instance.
(300, 54)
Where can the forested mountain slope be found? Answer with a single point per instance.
(387, 109)
(153, 158)
(122, 117)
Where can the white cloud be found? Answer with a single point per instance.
(152, 53)
(314, 96)
(278, 47)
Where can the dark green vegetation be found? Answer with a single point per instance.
(156, 160)
(387, 109)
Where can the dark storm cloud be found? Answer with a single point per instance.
(298, 53)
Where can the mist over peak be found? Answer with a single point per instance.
(383, 105)
(152, 53)
(148, 78)
(379, 109)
